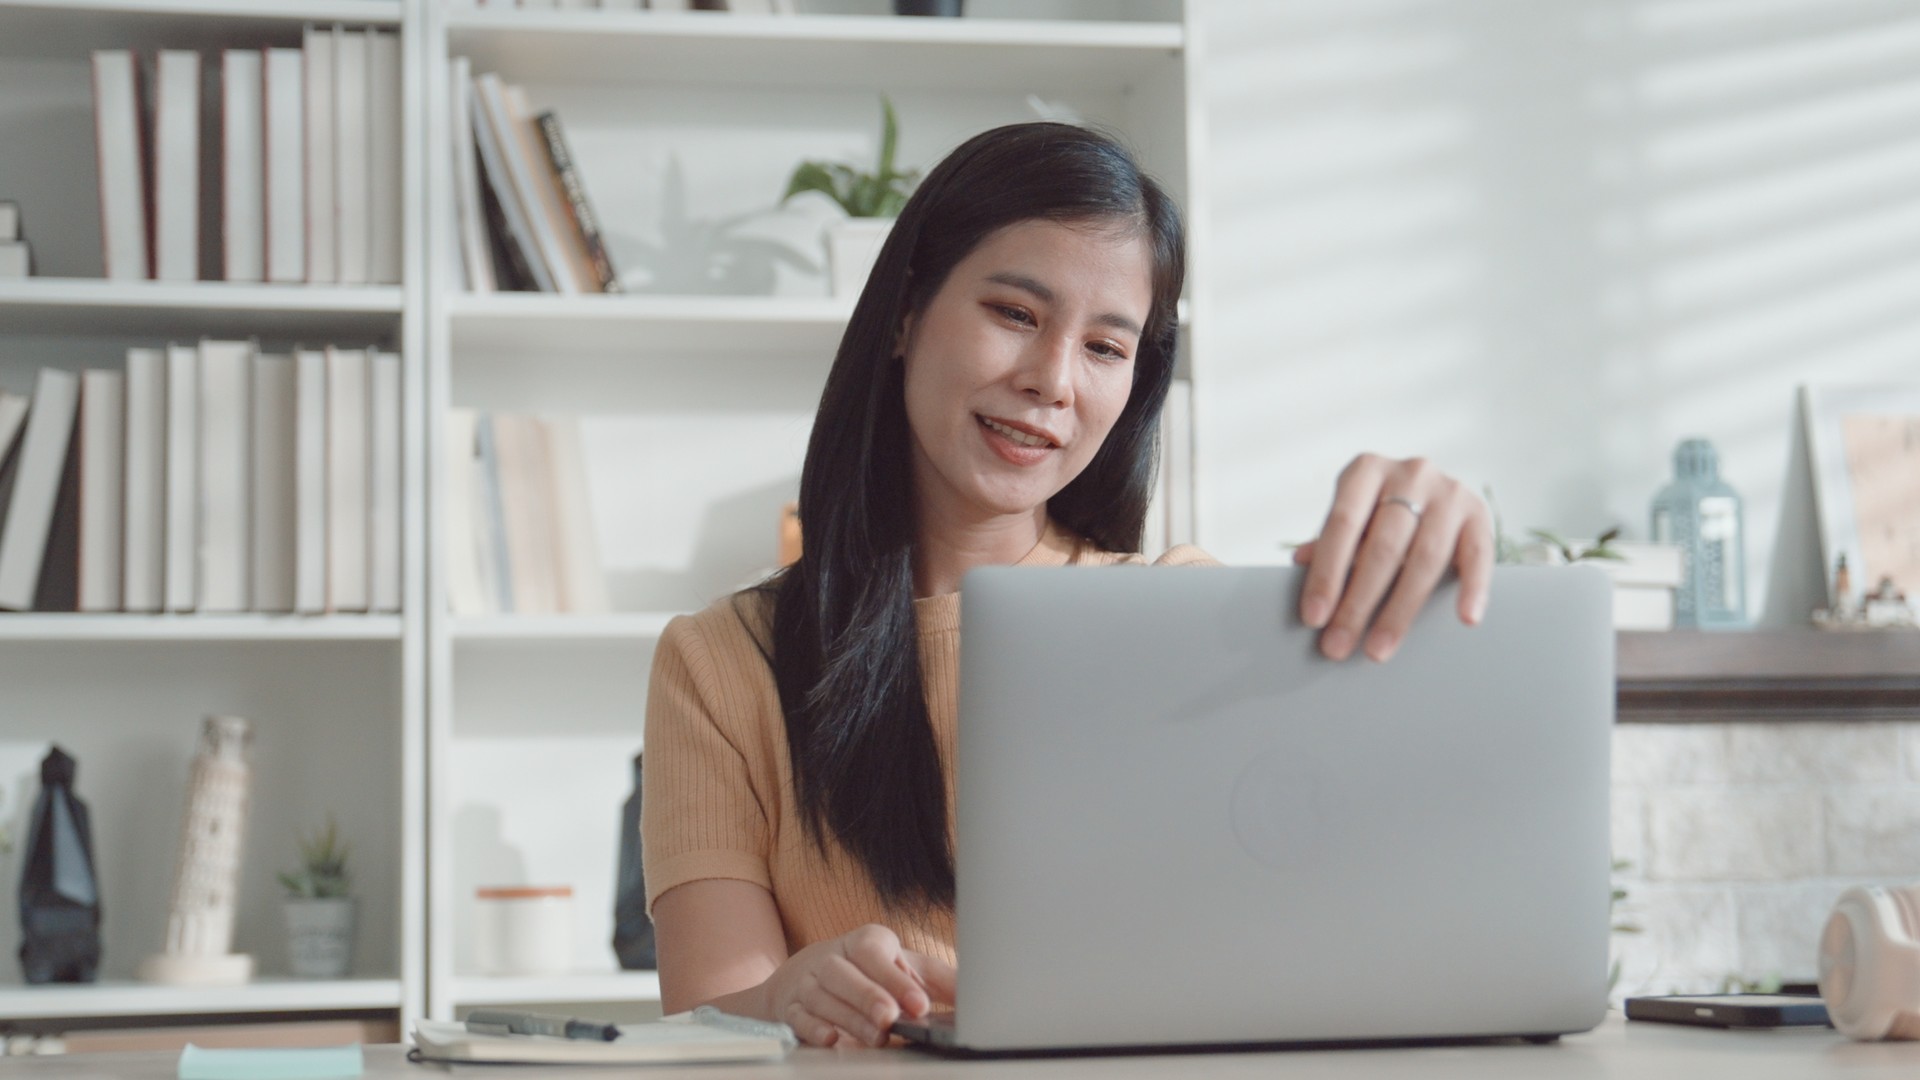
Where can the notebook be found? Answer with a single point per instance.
(659, 1042)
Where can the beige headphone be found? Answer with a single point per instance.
(1870, 962)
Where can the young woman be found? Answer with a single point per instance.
(995, 400)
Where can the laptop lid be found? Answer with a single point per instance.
(1178, 823)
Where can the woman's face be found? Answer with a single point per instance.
(1018, 367)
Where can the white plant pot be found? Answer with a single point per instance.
(853, 246)
(320, 937)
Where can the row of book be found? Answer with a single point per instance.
(297, 151)
(523, 216)
(210, 478)
(520, 517)
(16, 258)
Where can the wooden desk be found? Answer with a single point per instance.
(1615, 1051)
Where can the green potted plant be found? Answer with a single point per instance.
(872, 200)
(320, 907)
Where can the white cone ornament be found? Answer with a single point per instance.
(206, 883)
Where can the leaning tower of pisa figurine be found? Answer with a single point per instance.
(206, 879)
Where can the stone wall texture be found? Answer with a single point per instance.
(1740, 836)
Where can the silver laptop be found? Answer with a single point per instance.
(1180, 825)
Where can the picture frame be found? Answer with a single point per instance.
(1863, 445)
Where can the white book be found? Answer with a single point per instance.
(242, 165)
(144, 572)
(490, 518)
(553, 220)
(583, 580)
(226, 414)
(352, 167)
(9, 221)
(275, 451)
(310, 481)
(467, 592)
(499, 178)
(384, 478)
(122, 165)
(323, 234)
(286, 165)
(182, 542)
(472, 228)
(176, 166)
(347, 498)
(103, 450)
(525, 182)
(527, 509)
(16, 260)
(13, 418)
(36, 485)
(384, 156)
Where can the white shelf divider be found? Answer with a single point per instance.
(533, 322)
(127, 998)
(624, 626)
(95, 306)
(75, 27)
(37, 626)
(534, 989)
(825, 51)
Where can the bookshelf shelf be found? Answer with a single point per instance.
(629, 626)
(532, 989)
(76, 27)
(110, 627)
(146, 308)
(825, 51)
(126, 998)
(533, 322)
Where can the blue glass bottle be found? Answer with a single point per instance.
(1701, 514)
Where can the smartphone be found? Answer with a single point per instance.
(1732, 1010)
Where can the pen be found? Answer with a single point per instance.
(744, 1025)
(494, 1021)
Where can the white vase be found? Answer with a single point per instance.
(319, 937)
(853, 246)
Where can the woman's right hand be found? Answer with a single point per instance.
(853, 987)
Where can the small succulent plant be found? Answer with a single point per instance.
(323, 867)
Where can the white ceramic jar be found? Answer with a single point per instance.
(524, 929)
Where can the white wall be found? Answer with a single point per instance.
(1542, 242)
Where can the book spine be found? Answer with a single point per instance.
(103, 425)
(579, 210)
(146, 480)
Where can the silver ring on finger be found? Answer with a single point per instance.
(1412, 506)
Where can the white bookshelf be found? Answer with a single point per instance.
(465, 752)
(693, 118)
(337, 702)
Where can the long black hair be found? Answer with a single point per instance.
(844, 651)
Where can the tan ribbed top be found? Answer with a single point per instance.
(718, 781)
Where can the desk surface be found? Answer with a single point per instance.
(1637, 1051)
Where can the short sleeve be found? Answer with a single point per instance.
(1186, 555)
(701, 817)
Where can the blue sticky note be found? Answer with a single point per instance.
(318, 1063)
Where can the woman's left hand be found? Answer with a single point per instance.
(1396, 525)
